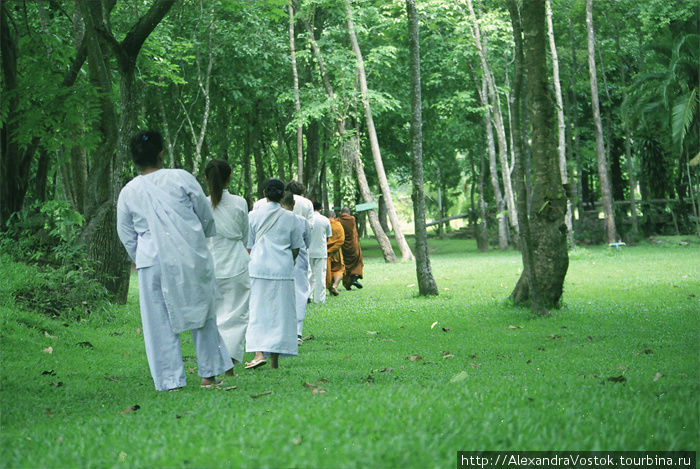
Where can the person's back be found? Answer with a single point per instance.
(231, 218)
(271, 256)
(320, 232)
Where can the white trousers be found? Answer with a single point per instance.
(318, 279)
(301, 293)
(232, 313)
(163, 345)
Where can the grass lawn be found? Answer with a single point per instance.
(616, 368)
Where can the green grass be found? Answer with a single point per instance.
(539, 386)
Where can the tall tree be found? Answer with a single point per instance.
(561, 127)
(426, 282)
(105, 179)
(374, 143)
(297, 101)
(603, 175)
(543, 283)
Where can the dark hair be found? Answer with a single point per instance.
(317, 206)
(217, 173)
(274, 189)
(145, 148)
(345, 209)
(288, 200)
(295, 187)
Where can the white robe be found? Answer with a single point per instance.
(320, 232)
(272, 314)
(162, 220)
(231, 259)
(301, 277)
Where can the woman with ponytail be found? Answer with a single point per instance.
(231, 258)
(274, 241)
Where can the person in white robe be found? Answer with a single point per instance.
(274, 240)
(163, 219)
(318, 254)
(302, 206)
(231, 258)
(301, 266)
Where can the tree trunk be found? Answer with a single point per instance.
(381, 208)
(493, 167)
(575, 134)
(543, 282)
(374, 143)
(424, 274)
(350, 148)
(297, 102)
(494, 107)
(482, 236)
(560, 120)
(603, 175)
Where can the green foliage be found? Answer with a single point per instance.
(61, 284)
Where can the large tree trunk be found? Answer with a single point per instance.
(549, 260)
(297, 102)
(494, 107)
(350, 149)
(493, 167)
(374, 143)
(424, 274)
(561, 127)
(105, 181)
(603, 175)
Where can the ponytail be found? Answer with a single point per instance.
(217, 173)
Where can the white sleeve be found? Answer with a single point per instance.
(125, 228)
(201, 206)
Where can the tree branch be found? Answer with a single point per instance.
(131, 45)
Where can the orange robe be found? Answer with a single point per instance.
(352, 252)
(335, 252)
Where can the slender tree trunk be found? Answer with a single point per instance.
(575, 135)
(297, 102)
(494, 107)
(549, 260)
(351, 147)
(603, 175)
(493, 167)
(561, 148)
(482, 239)
(424, 274)
(374, 143)
(381, 208)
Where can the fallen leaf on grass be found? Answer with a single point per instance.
(590, 339)
(126, 355)
(372, 332)
(85, 344)
(554, 336)
(122, 456)
(475, 365)
(322, 380)
(130, 409)
(447, 356)
(386, 370)
(111, 378)
(445, 329)
(229, 388)
(48, 372)
(346, 357)
(683, 374)
(432, 326)
(48, 412)
(297, 441)
(617, 379)
(318, 391)
(309, 385)
(191, 370)
(388, 340)
(414, 358)
(473, 355)
(657, 376)
(57, 384)
(514, 327)
(59, 439)
(50, 336)
(308, 337)
(410, 285)
(461, 376)
(138, 331)
(48, 350)
(621, 367)
(264, 393)
(179, 416)
(647, 351)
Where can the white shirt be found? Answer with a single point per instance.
(259, 203)
(320, 232)
(163, 217)
(228, 246)
(302, 262)
(303, 207)
(271, 256)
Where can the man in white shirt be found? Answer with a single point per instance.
(302, 205)
(320, 232)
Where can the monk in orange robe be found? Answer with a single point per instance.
(336, 267)
(352, 252)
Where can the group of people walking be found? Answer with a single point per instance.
(239, 280)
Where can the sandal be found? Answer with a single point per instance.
(255, 364)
